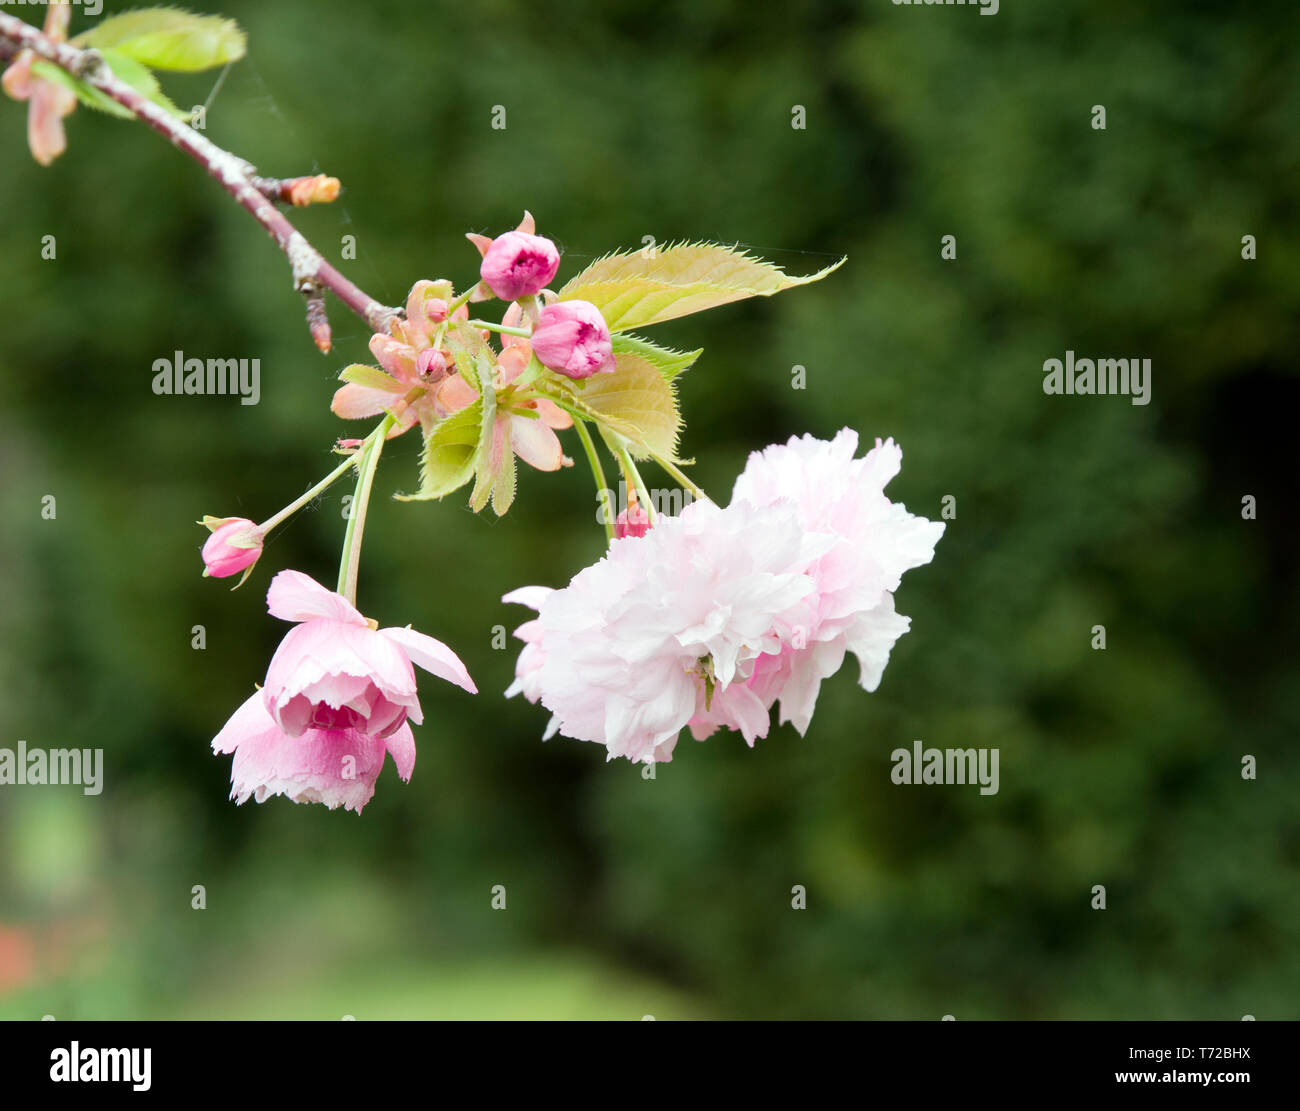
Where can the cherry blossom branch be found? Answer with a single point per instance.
(312, 275)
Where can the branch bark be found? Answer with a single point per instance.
(310, 272)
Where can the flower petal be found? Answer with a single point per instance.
(553, 415)
(293, 596)
(432, 655)
(536, 444)
(530, 596)
(401, 747)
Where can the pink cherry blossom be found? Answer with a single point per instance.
(571, 337)
(234, 546)
(337, 686)
(334, 670)
(714, 616)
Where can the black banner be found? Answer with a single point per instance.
(1230, 1063)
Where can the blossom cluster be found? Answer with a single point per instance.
(710, 618)
(707, 620)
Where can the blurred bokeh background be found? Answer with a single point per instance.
(672, 897)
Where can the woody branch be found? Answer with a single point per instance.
(312, 275)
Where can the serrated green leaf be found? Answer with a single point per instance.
(633, 291)
(87, 95)
(450, 454)
(169, 39)
(491, 445)
(371, 377)
(503, 489)
(141, 79)
(670, 363)
(637, 402)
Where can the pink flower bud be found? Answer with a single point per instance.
(431, 364)
(631, 522)
(571, 337)
(235, 544)
(518, 265)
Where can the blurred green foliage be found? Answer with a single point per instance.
(672, 896)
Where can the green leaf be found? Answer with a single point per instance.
(141, 79)
(470, 351)
(126, 69)
(450, 454)
(169, 39)
(670, 363)
(633, 291)
(90, 97)
(486, 465)
(503, 489)
(371, 377)
(637, 402)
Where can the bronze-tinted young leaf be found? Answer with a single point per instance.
(637, 402)
(633, 290)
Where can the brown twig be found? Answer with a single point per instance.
(311, 273)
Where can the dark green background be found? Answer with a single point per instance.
(672, 897)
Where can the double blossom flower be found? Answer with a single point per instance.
(338, 697)
(712, 617)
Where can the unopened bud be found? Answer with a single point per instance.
(235, 544)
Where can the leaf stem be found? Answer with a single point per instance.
(463, 299)
(320, 487)
(678, 475)
(598, 473)
(504, 329)
(618, 446)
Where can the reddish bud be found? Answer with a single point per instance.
(572, 338)
(519, 265)
(631, 522)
